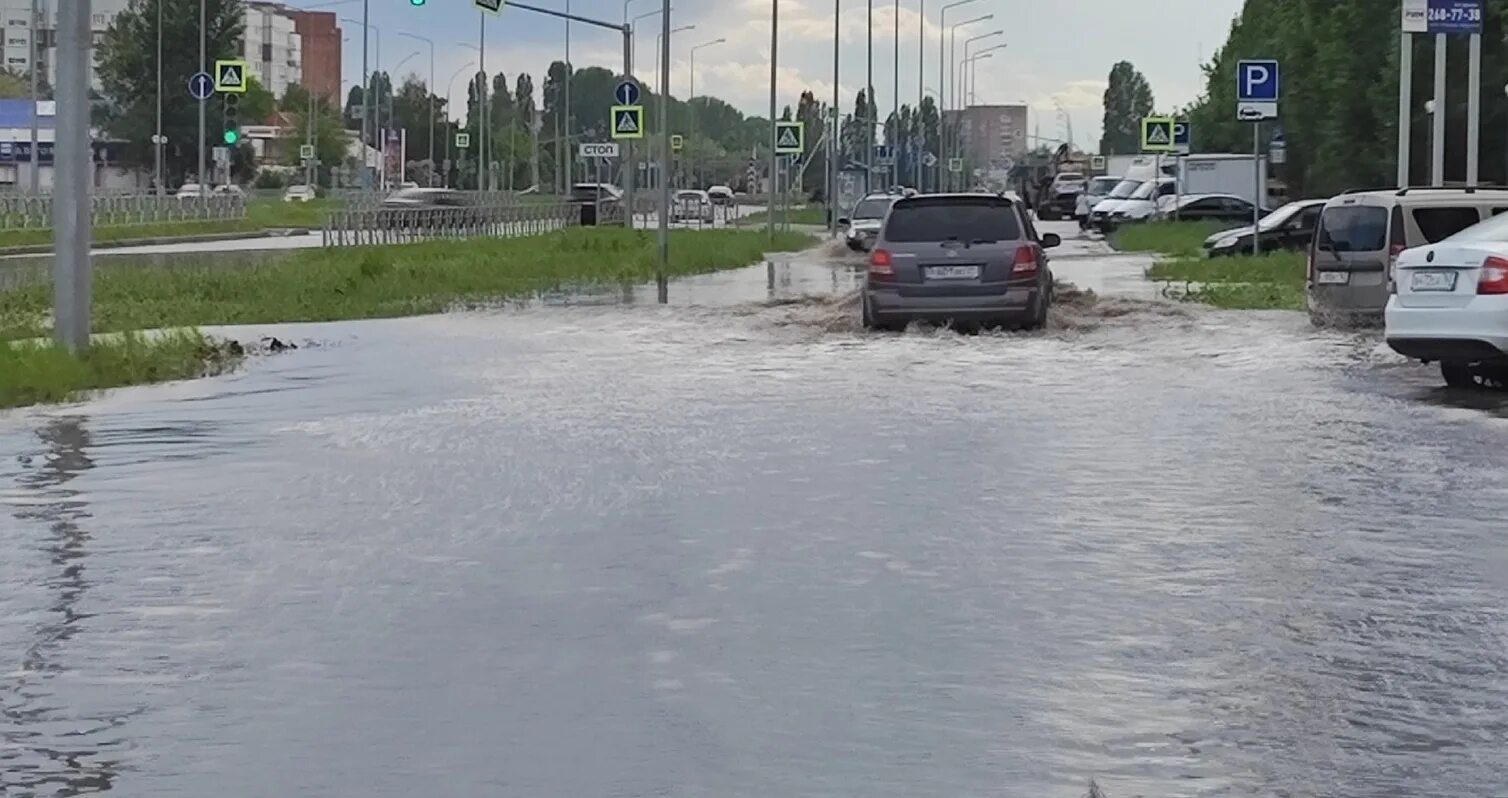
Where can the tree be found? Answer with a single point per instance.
(295, 99)
(127, 68)
(523, 101)
(257, 105)
(14, 86)
(1128, 99)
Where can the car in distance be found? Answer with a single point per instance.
(693, 206)
(1290, 227)
(1095, 190)
(300, 194)
(863, 223)
(1099, 215)
(192, 191)
(722, 195)
(1361, 234)
(1450, 305)
(1061, 198)
(229, 190)
(965, 259)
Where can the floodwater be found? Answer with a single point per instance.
(732, 546)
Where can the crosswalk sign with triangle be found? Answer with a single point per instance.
(230, 77)
(790, 138)
(628, 121)
(1157, 134)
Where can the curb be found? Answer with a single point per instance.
(46, 249)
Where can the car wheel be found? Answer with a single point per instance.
(1458, 375)
(870, 322)
(1038, 318)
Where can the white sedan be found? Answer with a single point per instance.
(1450, 305)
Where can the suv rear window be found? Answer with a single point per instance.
(1438, 224)
(965, 219)
(1353, 228)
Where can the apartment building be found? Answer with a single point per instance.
(17, 47)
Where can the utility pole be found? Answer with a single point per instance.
(36, 55)
(921, 80)
(895, 97)
(156, 139)
(774, 159)
(664, 232)
(73, 161)
(868, 100)
(202, 175)
(833, 146)
(567, 158)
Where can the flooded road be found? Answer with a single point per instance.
(733, 546)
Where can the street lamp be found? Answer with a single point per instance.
(944, 57)
(481, 126)
(659, 43)
(691, 104)
(450, 92)
(370, 111)
(432, 87)
(633, 57)
(956, 78)
(973, 72)
(950, 90)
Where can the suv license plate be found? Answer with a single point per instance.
(1432, 281)
(1333, 278)
(952, 272)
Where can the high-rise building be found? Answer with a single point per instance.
(15, 17)
(992, 136)
(320, 35)
(273, 48)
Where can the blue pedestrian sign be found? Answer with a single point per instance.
(627, 93)
(1258, 88)
(201, 86)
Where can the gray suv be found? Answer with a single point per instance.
(968, 259)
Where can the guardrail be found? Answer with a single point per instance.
(378, 226)
(23, 213)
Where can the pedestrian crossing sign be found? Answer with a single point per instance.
(790, 138)
(628, 121)
(677, 142)
(1157, 134)
(230, 77)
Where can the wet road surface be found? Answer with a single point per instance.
(734, 547)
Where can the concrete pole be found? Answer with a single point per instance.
(483, 164)
(921, 80)
(868, 103)
(36, 68)
(1474, 113)
(664, 232)
(567, 157)
(628, 149)
(72, 164)
(833, 145)
(156, 139)
(366, 93)
(895, 97)
(1437, 146)
(774, 159)
(203, 174)
(1405, 103)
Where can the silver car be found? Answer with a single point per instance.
(968, 259)
(863, 224)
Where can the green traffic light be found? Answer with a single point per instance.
(231, 137)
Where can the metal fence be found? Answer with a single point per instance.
(22, 213)
(374, 226)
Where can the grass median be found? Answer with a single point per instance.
(1274, 281)
(260, 215)
(34, 372)
(805, 215)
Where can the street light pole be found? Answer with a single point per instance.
(956, 76)
(71, 212)
(691, 104)
(31, 60)
(774, 166)
(450, 91)
(633, 50)
(156, 139)
(432, 87)
(895, 97)
(869, 121)
(942, 87)
(921, 79)
(664, 232)
(833, 146)
(203, 122)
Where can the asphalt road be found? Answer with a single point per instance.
(735, 546)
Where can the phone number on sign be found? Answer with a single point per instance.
(1457, 15)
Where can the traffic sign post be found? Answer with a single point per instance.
(463, 141)
(955, 165)
(627, 93)
(1157, 134)
(677, 142)
(628, 121)
(1258, 88)
(1442, 19)
(606, 149)
(790, 138)
(230, 77)
(1183, 133)
(306, 152)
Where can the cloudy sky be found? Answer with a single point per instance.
(1057, 53)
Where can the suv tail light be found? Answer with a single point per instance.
(881, 267)
(1494, 279)
(1026, 262)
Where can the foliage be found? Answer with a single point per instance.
(32, 372)
(127, 64)
(1167, 238)
(1128, 99)
(1274, 281)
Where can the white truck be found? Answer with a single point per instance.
(1214, 173)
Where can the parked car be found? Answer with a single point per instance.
(229, 190)
(1061, 197)
(1451, 305)
(1361, 234)
(863, 223)
(1095, 190)
(397, 208)
(958, 259)
(192, 191)
(300, 194)
(692, 205)
(1290, 227)
(1222, 208)
(1099, 215)
(605, 201)
(1141, 205)
(722, 195)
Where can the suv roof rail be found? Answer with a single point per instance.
(1404, 191)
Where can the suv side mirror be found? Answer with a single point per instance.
(1050, 240)
(842, 221)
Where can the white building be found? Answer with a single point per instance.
(273, 48)
(16, 16)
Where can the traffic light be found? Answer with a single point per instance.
(232, 119)
(416, 3)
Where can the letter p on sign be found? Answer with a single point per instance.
(1257, 81)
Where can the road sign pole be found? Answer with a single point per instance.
(203, 120)
(1256, 210)
(628, 151)
(664, 232)
(774, 128)
(1405, 99)
(1437, 145)
(71, 212)
(1474, 112)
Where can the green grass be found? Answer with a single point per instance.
(1271, 282)
(34, 372)
(260, 215)
(1168, 238)
(373, 282)
(810, 215)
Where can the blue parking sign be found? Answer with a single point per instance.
(1257, 81)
